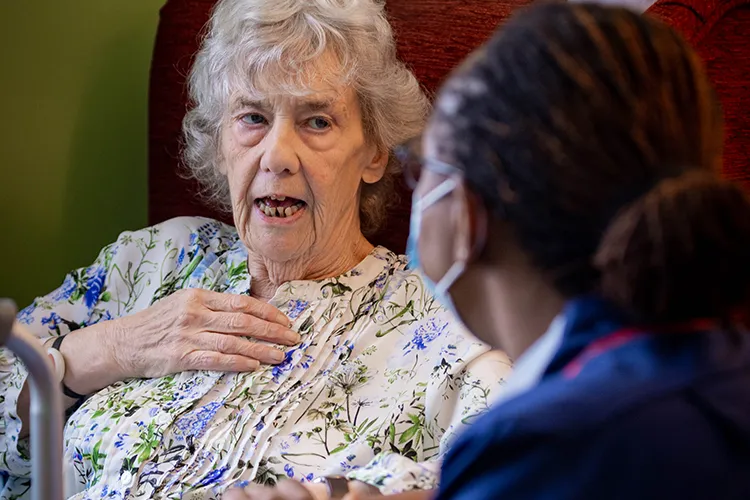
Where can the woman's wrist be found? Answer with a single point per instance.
(89, 361)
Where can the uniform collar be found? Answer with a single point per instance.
(587, 319)
(581, 321)
(531, 365)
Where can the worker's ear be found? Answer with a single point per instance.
(469, 221)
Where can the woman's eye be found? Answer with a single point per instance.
(318, 123)
(253, 119)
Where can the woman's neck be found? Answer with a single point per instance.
(524, 307)
(511, 303)
(334, 260)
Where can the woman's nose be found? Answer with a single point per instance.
(280, 152)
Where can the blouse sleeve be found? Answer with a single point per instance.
(452, 404)
(111, 287)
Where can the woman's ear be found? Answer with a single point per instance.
(375, 170)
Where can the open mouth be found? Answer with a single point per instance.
(279, 206)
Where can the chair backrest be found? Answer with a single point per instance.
(719, 30)
(433, 37)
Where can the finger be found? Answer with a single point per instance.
(228, 344)
(216, 361)
(258, 492)
(229, 302)
(247, 325)
(355, 495)
(292, 490)
(235, 494)
(364, 490)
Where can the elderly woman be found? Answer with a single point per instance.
(167, 344)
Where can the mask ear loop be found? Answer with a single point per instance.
(440, 192)
(446, 282)
(478, 233)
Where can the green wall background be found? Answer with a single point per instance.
(74, 89)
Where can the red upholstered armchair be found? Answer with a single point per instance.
(433, 36)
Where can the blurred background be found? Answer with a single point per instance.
(74, 90)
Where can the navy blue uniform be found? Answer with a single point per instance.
(642, 416)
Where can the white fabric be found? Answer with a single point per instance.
(530, 366)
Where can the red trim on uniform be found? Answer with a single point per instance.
(626, 335)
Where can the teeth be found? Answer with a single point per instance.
(278, 198)
(278, 211)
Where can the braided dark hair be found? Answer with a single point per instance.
(595, 134)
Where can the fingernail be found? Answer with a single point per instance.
(276, 355)
(284, 320)
(292, 336)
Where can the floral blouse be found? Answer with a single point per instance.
(380, 383)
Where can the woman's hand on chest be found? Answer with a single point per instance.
(192, 329)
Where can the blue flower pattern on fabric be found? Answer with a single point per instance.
(52, 321)
(283, 367)
(207, 233)
(200, 270)
(194, 423)
(212, 477)
(296, 307)
(25, 315)
(380, 281)
(120, 442)
(65, 290)
(425, 333)
(94, 287)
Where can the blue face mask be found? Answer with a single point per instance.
(440, 289)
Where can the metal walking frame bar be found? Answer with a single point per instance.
(46, 411)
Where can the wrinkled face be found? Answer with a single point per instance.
(294, 166)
